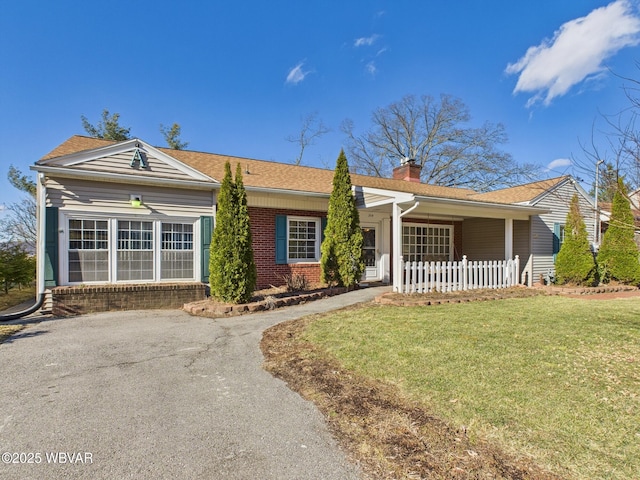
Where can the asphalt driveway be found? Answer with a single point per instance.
(159, 394)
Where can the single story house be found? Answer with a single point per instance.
(128, 225)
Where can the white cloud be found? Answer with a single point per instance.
(558, 163)
(365, 41)
(576, 52)
(296, 74)
(371, 68)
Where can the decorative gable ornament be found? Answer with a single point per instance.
(138, 157)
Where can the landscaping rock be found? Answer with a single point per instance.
(268, 300)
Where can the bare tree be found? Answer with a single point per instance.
(311, 128)
(435, 134)
(19, 224)
(609, 158)
(614, 148)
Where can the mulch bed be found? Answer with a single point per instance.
(267, 299)
(603, 292)
(439, 298)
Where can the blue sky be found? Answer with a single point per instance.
(239, 76)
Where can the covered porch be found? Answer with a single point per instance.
(445, 244)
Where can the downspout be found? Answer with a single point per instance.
(410, 209)
(397, 242)
(41, 201)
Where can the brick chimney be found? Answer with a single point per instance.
(408, 171)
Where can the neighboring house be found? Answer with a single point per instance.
(605, 217)
(126, 214)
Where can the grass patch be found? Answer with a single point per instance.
(552, 378)
(7, 330)
(16, 296)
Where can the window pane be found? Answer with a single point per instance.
(303, 239)
(426, 243)
(135, 265)
(88, 258)
(177, 251)
(135, 250)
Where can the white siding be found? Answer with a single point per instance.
(292, 202)
(483, 239)
(104, 197)
(121, 163)
(522, 248)
(542, 226)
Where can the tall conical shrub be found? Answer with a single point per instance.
(341, 251)
(232, 276)
(246, 281)
(618, 255)
(575, 262)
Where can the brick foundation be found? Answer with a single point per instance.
(79, 300)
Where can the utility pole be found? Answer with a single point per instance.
(596, 218)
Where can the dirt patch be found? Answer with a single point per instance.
(603, 292)
(388, 435)
(438, 298)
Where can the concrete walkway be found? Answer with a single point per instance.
(159, 394)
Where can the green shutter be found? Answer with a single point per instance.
(556, 240)
(51, 267)
(206, 231)
(281, 239)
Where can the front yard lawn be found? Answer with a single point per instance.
(553, 380)
(16, 296)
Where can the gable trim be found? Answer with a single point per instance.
(132, 145)
(62, 172)
(559, 185)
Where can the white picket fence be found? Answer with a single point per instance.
(423, 277)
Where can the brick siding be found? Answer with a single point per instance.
(68, 301)
(263, 232)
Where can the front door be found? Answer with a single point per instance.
(370, 254)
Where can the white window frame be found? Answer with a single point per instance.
(173, 242)
(112, 219)
(428, 225)
(82, 230)
(316, 221)
(154, 244)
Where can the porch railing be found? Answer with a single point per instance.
(423, 277)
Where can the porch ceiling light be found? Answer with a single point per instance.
(136, 200)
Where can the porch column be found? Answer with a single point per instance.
(508, 238)
(396, 236)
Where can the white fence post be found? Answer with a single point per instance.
(465, 276)
(423, 277)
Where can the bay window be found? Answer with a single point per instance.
(102, 250)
